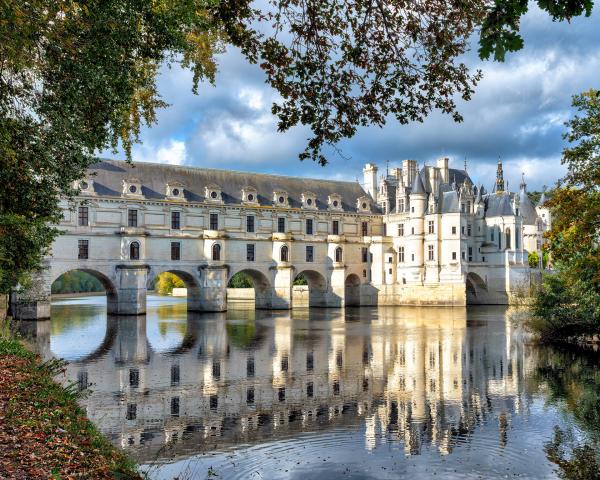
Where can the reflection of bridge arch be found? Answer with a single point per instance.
(263, 290)
(317, 287)
(477, 289)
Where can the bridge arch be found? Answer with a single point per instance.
(317, 287)
(476, 289)
(104, 278)
(352, 290)
(263, 289)
(189, 278)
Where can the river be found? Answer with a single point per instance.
(394, 392)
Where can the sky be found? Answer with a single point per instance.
(517, 114)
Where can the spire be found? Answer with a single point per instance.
(499, 187)
(523, 185)
(417, 186)
(543, 197)
(465, 164)
(479, 193)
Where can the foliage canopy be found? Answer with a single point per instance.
(77, 77)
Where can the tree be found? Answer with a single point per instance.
(166, 282)
(569, 301)
(240, 280)
(77, 77)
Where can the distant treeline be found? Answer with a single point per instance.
(76, 282)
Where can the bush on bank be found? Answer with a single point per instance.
(563, 309)
(43, 431)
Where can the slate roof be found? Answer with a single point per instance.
(527, 208)
(108, 176)
(497, 205)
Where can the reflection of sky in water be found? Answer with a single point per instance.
(78, 324)
(450, 393)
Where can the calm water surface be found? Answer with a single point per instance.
(367, 393)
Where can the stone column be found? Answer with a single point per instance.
(213, 288)
(33, 302)
(282, 287)
(130, 297)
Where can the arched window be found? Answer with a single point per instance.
(508, 243)
(338, 254)
(134, 251)
(284, 254)
(216, 251)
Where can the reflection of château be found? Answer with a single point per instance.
(411, 375)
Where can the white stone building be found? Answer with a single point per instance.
(414, 236)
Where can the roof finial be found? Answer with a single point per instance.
(465, 164)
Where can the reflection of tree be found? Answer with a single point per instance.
(582, 464)
(572, 382)
(71, 317)
(242, 335)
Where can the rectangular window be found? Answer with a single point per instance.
(249, 252)
(453, 230)
(462, 229)
(309, 226)
(250, 367)
(250, 223)
(175, 220)
(430, 227)
(83, 249)
(400, 254)
(364, 228)
(132, 218)
(214, 402)
(310, 253)
(281, 225)
(453, 255)
(365, 254)
(175, 407)
(284, 363)
(412, 257)
(462, 254)
(469, 229)
(175, 375)
(470, 254)
(401, 205)
(175, 250)
(430, 252)
(400, 229)
(134, 377)
(310, 390)
(214, 221)
(281, 394)
(335, 227)
(462, 208)
(83, 216)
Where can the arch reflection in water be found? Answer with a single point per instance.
(416, 377)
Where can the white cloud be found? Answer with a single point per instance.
(172, 152)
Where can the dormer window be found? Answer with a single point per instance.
(249, 196)
(335, 201)
(85, 187)
(213, 194)
(175, 191)
(363, 204)
(280, 199)
(309, 200)
(132, 188)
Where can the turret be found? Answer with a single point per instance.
(370, 180)
(418, 197)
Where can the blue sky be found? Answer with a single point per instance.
(517, 114)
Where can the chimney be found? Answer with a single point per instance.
(370, 177)
(442, 164)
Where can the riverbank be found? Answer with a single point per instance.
(43, 431)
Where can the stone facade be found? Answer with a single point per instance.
(414, 236)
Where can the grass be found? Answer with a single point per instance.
(43, 431)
